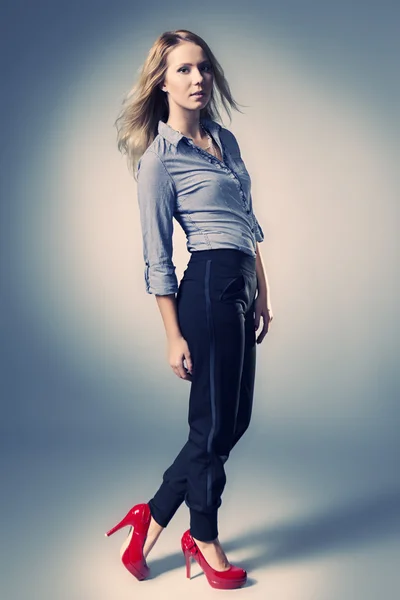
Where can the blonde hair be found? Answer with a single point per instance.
(145, 104)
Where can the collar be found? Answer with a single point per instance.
(173, 136)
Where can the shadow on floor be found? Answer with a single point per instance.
(357, 523)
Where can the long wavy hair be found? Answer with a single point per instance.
(145, 104)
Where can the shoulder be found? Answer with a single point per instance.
(151, 162)
(230, 141)
(152, 175)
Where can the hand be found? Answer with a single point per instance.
(178, 351)
(262, 308)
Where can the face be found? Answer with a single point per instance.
(188, 71)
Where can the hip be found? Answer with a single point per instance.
(222, 275)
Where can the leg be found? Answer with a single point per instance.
(222, 344)
(248, 377)
(217, 346)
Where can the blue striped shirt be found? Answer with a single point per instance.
(209, 198)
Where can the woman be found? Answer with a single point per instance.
(189, 167)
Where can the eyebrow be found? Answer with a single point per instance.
(190, 64)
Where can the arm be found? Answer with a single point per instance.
(157, 197)
(169, 314)
(263, 302)
(262, 279)
(178, 349)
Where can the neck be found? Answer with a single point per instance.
(188, 126)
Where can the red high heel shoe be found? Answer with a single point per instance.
(232, 578)
(132, 551)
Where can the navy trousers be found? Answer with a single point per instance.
(215, 304)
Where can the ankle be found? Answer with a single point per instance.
(154, 526)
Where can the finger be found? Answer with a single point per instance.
(263, 332)
(178, 372)
(182, 371)
(187, 375)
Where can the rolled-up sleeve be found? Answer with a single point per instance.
(156, 197)
(258, 230)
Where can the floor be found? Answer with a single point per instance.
(302, 531)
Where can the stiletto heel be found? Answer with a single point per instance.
(188, 563)
(127, 520)
(138, 518)
(231, 578)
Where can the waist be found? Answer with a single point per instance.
(228, 256)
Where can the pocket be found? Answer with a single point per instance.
(233, 288)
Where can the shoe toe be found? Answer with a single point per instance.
(236, 573)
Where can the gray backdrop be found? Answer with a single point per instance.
(92, 414)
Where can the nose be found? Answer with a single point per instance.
(197, 76)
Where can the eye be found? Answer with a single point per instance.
(206, 67)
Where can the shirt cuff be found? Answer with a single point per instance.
(259, 234)
(160, 279)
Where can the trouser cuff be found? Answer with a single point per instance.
(164, 504)
(203, 526)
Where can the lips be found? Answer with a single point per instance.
(198, 94)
